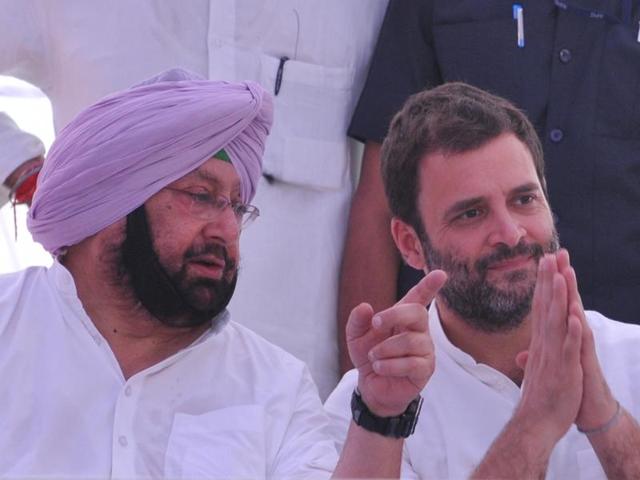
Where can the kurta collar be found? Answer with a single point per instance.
(484, 373)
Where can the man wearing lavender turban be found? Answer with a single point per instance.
(121, 359)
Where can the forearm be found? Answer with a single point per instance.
(369, 455)
(618, 447)
(520, 451)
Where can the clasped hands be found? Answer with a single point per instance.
(563, 382)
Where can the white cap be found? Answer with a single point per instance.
(16, 147)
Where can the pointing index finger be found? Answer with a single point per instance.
(425, 290)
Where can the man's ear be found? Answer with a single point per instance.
(408, 243)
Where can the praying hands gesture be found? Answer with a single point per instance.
(563, 384)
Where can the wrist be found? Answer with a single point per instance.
(379, 409)
(604, 426)
(538, 431)
(396, 426)
(596, 414)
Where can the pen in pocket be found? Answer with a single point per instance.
(518, 16)
(279, 74)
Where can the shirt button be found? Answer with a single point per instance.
(122, 440)
(565, 55)
(127, 391)
(556, 135)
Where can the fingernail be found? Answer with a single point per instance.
(371, 356)
(376, 321)
(375, 366)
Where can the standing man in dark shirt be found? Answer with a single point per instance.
(574, 68)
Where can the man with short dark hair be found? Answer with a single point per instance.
(566, 64)
(527, 383)
(120, 361)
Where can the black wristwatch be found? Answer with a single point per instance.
(400, 426)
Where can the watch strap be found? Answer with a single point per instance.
(400, 426)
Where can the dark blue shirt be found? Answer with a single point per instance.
(578, 80)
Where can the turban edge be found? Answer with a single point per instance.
(120, 151)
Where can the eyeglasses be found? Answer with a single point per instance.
(206, 206)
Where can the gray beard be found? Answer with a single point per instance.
(477, 301)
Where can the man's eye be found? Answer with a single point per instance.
(201, 197)
(470, 214)
(525, 199)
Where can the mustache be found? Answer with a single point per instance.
(503, 252)
(215, 249)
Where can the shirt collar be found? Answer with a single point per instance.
(443, 344)
(484, 373)
(64, 283)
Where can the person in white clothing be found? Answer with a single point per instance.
(120, 361)
(527, 384)
(312, 55)
(21, 158)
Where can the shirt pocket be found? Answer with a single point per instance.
(618, 103)
(308, 144)
(589, 467)
(225, 443)
(477, 43)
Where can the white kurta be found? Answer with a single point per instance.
(229, 406)
(466, 405)
(78, 51)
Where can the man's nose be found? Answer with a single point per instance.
(506, 229)
(224, 226)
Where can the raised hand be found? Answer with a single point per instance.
(553, 374)
(598, 404)
(392, 349)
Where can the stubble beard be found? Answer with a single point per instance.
(481, 303)
(173, 297)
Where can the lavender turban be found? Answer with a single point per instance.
(119, 152)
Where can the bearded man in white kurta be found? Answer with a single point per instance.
(314, 55)
(120, 361)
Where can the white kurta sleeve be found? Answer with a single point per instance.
(307, 450)
(338, 409)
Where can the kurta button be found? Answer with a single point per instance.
(556, 135)
(127, 391)
(565, 55)
(122, 440)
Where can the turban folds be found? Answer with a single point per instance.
(122, 150)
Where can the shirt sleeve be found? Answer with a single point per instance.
(403, 63)
(338, 408)
(307, 450)
(21, 45)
